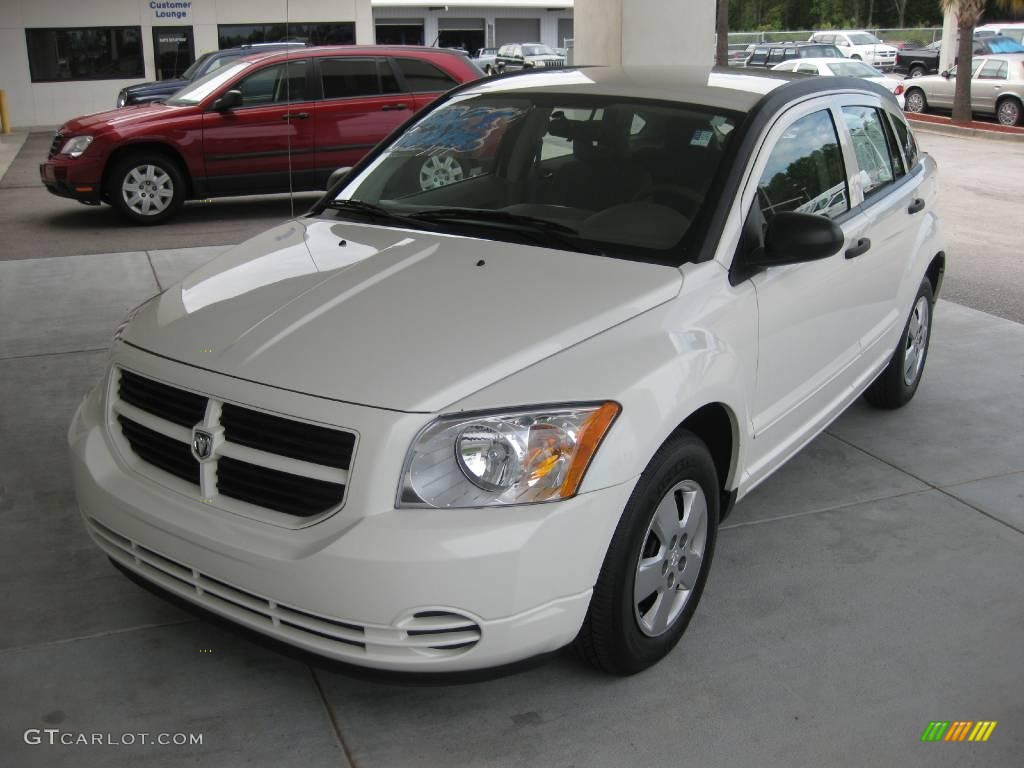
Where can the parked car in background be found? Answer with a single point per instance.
(453, 429)
(916, 62)
(997, 88)
(486, 59)
(842, 67)
(158, 90)
(1012, 30)
(767, 55)
(516, 56)
(860, 44)
(264, 123)
(738, 53)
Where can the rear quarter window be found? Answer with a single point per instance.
(423, 77)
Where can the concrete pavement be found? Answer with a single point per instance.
(871, 586)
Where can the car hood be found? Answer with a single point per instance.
(123, 117)
(392, 318)
(159, 86)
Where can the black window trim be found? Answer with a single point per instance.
(246, 75)
(381, 61)
(120, 76)
(403, 84)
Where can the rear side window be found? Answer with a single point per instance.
(347, 77)
(805, 171)
(759, 56)
(776, 56)
(874, 156)
(422, 76)
(906, 140)
(994, 69)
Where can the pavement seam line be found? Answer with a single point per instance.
(94, 636)
(933, 486)
(332, 717)
(845, 505)
(54, 354)
(149, 258)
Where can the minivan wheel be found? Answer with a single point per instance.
(1008, 111)
(896, 385)
(915, 101)
(657, 563)
(146, 189)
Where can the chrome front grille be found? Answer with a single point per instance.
(426, 635)
(56, 144)
(259, 464)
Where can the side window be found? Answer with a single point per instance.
(906, 140)
(424, 77)
(791, 53)
(994, 69)
(776, 56)
(759, 56)
(805, 170)
(347, 77)
(809, 69)
(871, 147)
(276, 84)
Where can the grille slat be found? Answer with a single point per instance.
(176, 405)
(280, 491)
(160, 451)
(55, 145)
(295, 439)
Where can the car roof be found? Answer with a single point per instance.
(721, 88)
(842, 32)
(352, 50)
(825, 60)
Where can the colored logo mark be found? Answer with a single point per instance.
(958, 730)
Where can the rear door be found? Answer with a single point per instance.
(362, 103)
(988, 84)
(423, 79)
(256, 147)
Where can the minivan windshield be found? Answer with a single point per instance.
(537, 50)
(864, 38)
(195, 92)
(193, 68)
(595, 174)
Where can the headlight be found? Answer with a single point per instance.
(514, 457)
(119, 331)
(76, 146)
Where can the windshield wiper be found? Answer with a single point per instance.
(542, 231)
(371, 210)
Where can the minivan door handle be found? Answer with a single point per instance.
(295, 116)
(916, 206)
(862, 246)
(393, 107)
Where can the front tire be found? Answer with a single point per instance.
(146, 189)
(915, 101)
(657, 563)
(898, 382)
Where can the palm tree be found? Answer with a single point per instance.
(968, 14)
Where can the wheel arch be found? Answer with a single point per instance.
(149, 146)
(936, 270)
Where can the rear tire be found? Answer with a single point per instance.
(917, 71)
(1008, 111)
(898, 382)
(915, 101)
(663, 546)
(146, 188)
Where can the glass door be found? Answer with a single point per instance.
(174, 51)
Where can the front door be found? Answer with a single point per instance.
(173, 51)
(362, 103)
(268, 143)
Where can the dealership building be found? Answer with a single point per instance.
(60, 59)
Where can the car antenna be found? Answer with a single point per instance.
(288, 100)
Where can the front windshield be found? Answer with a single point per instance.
(853, 69)
(608, 175)
(209, 83)
(864, 38)
(189, 73)
(537, 50)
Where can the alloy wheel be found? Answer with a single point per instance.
(1009, 112)
(917, 340)
(147, 189)
(670, 558)
(915, 101)
(439, 171)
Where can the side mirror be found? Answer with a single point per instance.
(793, 238)
(945, 73)
(337, 176)
(229, 100)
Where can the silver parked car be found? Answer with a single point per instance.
(997, 88)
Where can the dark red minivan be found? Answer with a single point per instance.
(267, 123)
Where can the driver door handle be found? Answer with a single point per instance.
(916, 206)
(393, 107)
(295, 116)
(862, 246)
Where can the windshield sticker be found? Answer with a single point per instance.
(460, 128)
(701, 138)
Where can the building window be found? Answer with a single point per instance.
(84, 53)
(314, 33)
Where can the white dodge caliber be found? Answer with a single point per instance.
(455, 428)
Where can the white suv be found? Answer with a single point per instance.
(859, 44)
(450, 429)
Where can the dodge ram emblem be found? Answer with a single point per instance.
(202, 444)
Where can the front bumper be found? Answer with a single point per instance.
(71, 179)
(394, 589)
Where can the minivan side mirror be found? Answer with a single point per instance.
(793, 238)
(337, 175)
(229, 100)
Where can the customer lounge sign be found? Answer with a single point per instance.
(170, 9)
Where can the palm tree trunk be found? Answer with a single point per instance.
(722, 30)
(965, 50)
